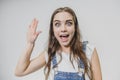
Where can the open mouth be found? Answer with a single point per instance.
(64, 37)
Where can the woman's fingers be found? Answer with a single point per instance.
(37, 33)
(32, 33)
(33, 25)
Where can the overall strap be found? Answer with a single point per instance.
(81, 64)
(54, 61)
(84, 46)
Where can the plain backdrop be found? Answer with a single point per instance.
(99, 22)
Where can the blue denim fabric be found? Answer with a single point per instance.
(60, 75)
(68, 76)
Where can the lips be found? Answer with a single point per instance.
(64, 37)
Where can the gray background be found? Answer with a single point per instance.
(99, 23)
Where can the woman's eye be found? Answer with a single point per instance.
(57, 24)
(69, 23)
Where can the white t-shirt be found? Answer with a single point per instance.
(65, 64)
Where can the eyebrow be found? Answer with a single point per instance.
(56, 21)
(69, 20)
(60, 21)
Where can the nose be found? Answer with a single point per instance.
(63, 28)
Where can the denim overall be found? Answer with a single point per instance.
(60, 75)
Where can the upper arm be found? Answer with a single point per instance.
(36, 64)
(96, 66)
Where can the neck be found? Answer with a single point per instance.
(65, 49)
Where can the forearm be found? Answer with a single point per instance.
(24, 60)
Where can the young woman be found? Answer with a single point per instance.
(67, 57)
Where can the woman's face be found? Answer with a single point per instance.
(64, 28)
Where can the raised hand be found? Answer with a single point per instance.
(32, 34)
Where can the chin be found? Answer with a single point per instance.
(65, 44)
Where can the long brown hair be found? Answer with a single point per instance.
(75, 44)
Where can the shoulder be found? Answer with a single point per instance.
(89, 49)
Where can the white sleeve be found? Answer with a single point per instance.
(89, 50)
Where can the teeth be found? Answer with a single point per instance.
(64, 35)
